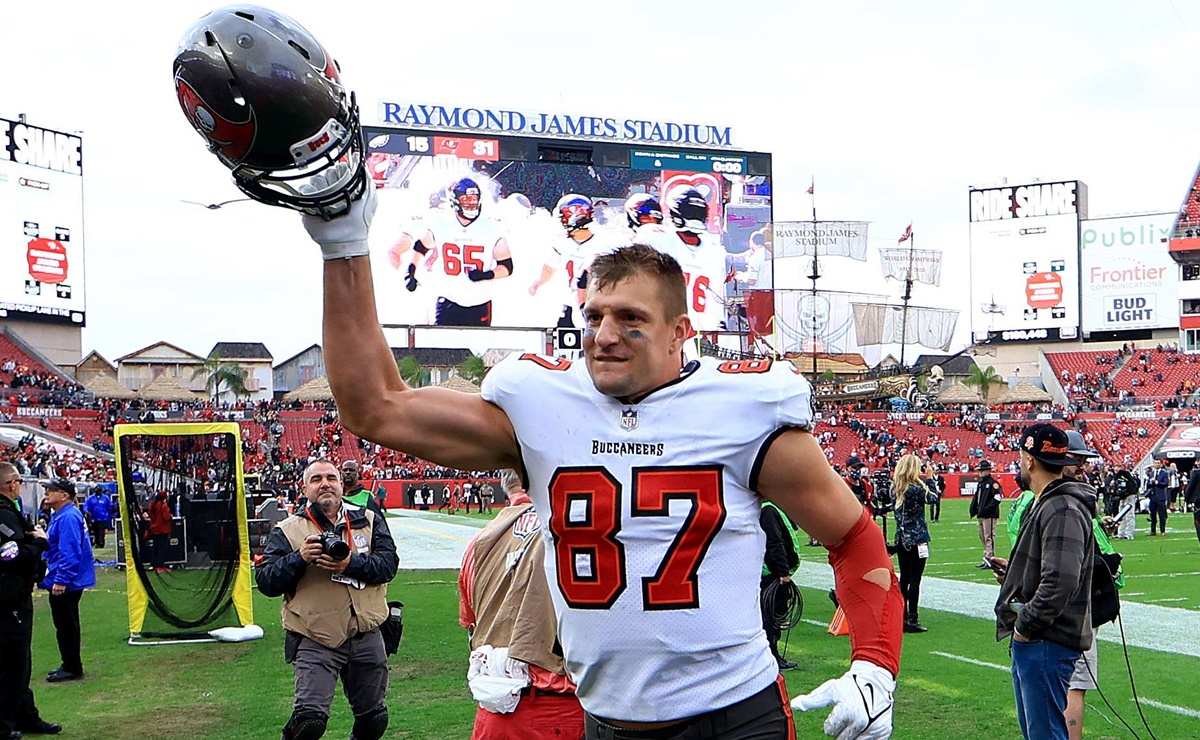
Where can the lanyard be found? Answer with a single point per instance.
(311, 518)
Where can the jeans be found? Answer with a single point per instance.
(1041, 671)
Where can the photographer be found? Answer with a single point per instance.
(332, 561)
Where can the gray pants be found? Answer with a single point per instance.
(360, 662)
(1126, 528)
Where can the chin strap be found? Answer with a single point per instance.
(869, 594)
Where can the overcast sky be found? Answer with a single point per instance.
(894, 109)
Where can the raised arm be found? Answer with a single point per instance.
(445, 427)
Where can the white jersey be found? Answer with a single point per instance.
(703, 265)
(654, 550)
(461, 249)
(576, 257)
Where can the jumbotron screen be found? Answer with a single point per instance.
(41, 224)
(476, 231)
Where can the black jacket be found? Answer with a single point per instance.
(282, 567)
(1047, 590)
(1192, 494)
(781, 557)
(986, 502)
(20, 558)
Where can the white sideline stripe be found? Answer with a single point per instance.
(1170, 708)
(1162, 601)
(815, 623)
(1166, 575)
(972, 661)
(1151, 626)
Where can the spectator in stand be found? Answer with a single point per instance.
(985, 506)
(70, 568)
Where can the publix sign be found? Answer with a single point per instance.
(1128, 277)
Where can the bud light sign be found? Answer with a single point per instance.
(1129, 279)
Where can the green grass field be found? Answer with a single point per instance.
(244, 690)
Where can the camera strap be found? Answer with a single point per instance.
(313, 519)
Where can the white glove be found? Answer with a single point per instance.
(345, 235)
(862, 703)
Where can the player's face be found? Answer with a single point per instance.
(629, 345)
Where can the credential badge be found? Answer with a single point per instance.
(629, 419)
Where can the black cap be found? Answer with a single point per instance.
(61, 484)
(854, 463)
(1047, 443)
(1077, 445)
(985, 465)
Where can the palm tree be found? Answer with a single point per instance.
(412, 373)
(472, 369)
(983, 379)
(222, 376)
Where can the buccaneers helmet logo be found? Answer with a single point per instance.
(230, 138)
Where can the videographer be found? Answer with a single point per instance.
(332, 561)
(858, 478)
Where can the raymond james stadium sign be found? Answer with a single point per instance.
(524, 122)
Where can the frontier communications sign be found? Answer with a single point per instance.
(1129, 278)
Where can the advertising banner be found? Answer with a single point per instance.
(1129, 278)
(828, 238)
(1025, 261)
(41, 224)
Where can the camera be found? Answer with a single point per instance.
(334, 546)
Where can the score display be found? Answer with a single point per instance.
(459, 147)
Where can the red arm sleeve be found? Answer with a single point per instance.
(875, 613)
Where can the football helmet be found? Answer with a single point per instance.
(689, 210)
(269, 102)
(642, 208)
(464, 198)
(575, 211)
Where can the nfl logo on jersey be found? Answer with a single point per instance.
(629, 419)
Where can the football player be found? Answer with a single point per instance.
(699, 253)
(654, 549)
(573, 253)
(641, 209)
(470, 252)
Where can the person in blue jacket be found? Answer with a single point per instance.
(70, 568)
(98, 508)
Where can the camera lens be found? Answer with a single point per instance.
(334, 546)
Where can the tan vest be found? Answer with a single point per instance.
(323, 610)
(512, 604)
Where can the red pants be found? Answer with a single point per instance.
(537, 717)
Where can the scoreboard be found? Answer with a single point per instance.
(522, 179)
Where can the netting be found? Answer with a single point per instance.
(188, 574)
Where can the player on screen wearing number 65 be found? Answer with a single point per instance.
(467, 243)
(653, 544)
